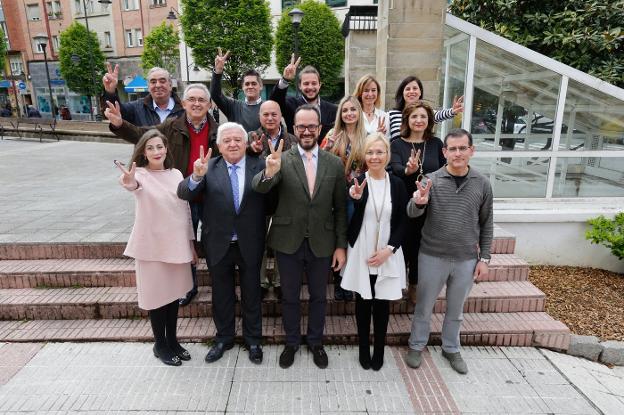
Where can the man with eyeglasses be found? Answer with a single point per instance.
(244, 113)
(186, 134)
(160, 104)
(308, 230)
(455, 245)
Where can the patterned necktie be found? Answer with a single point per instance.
(310, 169)
(235, 190)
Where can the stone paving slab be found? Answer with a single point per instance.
(604, 386)
(505, 380)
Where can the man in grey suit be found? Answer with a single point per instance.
(309, 228)
(233, 223)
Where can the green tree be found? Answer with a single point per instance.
(161, 48)
(585, 34)
(320, 43)
(78, 49)
(3, 49)
(241, 26)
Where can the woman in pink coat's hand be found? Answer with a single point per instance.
(161, 241)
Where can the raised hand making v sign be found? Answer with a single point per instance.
(291, 69)
(421, 196)
(111, 78)
(220, 60)
(200, 166)
(274, 160)
(127, 179)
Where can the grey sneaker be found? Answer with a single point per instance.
(456, 361)
(414, 358)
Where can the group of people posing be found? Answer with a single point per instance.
(371, 195)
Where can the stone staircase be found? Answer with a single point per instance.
(85, 292)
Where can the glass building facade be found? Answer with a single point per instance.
(541, 128)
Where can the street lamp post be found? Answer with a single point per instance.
(295, 17)
(43, 41)
(172, 16)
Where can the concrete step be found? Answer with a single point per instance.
(121, 302)
(496, 329)
(504, 243)
(119, 272)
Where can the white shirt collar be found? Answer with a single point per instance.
(170, 105)
(314, 151)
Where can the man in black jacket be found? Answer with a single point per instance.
(155, 108)
(309, 85)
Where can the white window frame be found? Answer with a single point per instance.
(108, 40)
(129, 38)
(138, 35)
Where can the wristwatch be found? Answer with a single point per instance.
(486, 260)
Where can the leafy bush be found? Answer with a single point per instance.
(608, 232)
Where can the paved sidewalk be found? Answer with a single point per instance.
(63, 191)
(119, 378)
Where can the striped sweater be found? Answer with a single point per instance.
(394, 117)
(460, 221)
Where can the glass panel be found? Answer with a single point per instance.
(589, 177)
(595, 120)
(514, 177)
(515, 102)
(457, 74)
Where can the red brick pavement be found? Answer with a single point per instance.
(426, 388)
(14, 357)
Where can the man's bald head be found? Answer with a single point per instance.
(270, 117)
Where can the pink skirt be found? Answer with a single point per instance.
(160, 283)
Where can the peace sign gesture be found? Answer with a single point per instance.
(413, 163)
(357, 189)
(256, 142)
(220, 60)
(458, 105)
(274, 160)
(110, 78)
(200, 167)
(381, 126)
(127, 179)
(291, 69)
(113, 113)
(421, 195)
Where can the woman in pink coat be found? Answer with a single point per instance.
(161, 241)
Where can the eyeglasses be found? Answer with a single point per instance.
(375, 153)
(461, 149)
(311, 128)
(195, 100)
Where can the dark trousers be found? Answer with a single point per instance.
(411, 246)
(196, 214)
(380, 312)
(224, 297)
(291, 269)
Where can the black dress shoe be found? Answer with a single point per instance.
(181, 352)
(319, 356)
(287, 358)
(338, 293)
(188, 298)
(348, 295)
(278, 292)
(216, 351)
(166, 356)
(255, 353)
(265, 292)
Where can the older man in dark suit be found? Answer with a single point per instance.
(309, 228)
(233, 223)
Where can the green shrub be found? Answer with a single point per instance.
(608, 232)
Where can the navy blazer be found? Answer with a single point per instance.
(398, 218)
(219, 216)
